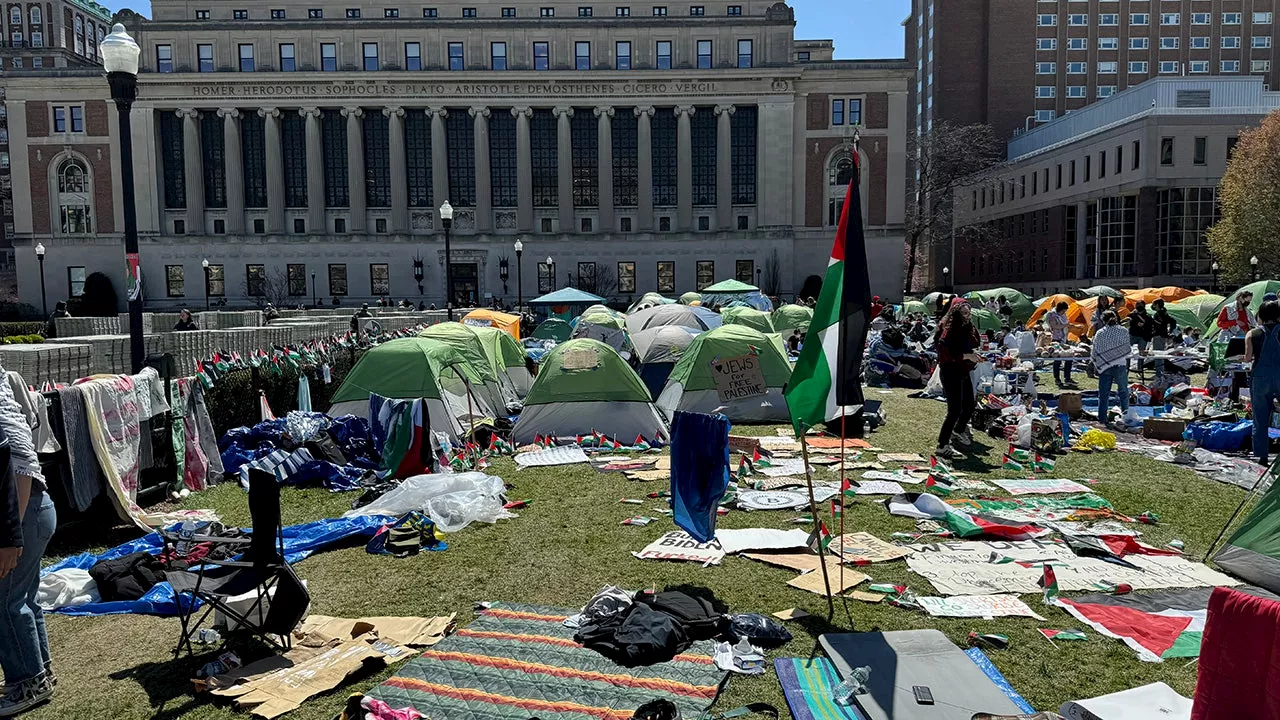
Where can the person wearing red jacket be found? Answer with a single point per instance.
(877, 307)
(1236, 320)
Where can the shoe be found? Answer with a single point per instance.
(963, 439)
(947, 452)
(26, 695)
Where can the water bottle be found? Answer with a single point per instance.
(855, 684)
(208, 636)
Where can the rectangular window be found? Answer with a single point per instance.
(1088, 168)
(164, 58)
(664, 54)
(1139, 43)
(666, 276)
(379, 279)
(1047, 43)
(1076, 91)
(456, 56)
(1119, 159)
(855, 112)
(59, 119)
(706, 274)
(1170, 67)
(1201, 18)
(697, 10)
(626, 277)
(1170, 18)
(1043, 116)
(1166, 151)
(1230, 18)
(1078, 43)
(735, 10)
(1230, 42)
(353, 13)
(204, 56)
(585, 12)
(1047, 20)
(239, 14)
(246, 57)
(337, 279)
(1230, 66)
(1262, 18)
(468, 12)
(1200, 43)
(1260, 41)
(202, 14)
(546, 276)
(1109, 19)
(837, 112)
(622, 12)
(498, 56)
(412, 56)
(1139, 19)
(1078, 19)
(288, 62)
(277, 14)
(1106, 91)
(315, 13)
(1046, 68)
(173, 280)
(582, 55)
(622, 55)
(430, 13)
(1108, 43)
(541, 56)
(296, 276)
(1260, 66)
(547, 12)
(659, 10)
(1077, 68)
(1138, 67)
(1107, 67)
(1071, 178)
(329, 57)
(1200, 156)
(75, 281)
(508, 12)
(1046, 91)
(390, 12)
(744, 271)
(704, 54)
(745, 53)
(77, 119)
(370, 52)
(217, 281)
(1169, 43)
(1137, 153)
(255, 280)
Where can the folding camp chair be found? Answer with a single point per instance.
(261, 569)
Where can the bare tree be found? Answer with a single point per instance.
(945, 157)
(771, 278)
(272, 288)
(604, 283)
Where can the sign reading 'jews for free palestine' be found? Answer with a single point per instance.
(738, 378)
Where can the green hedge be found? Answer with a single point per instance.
(22, 339)
(233, 402)
(21, 328)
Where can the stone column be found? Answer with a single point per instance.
(644, 167)
(193, 170)
(724, 167)
(684, 166)
(524, 169)
(356, 200)
(233, 157)
(564, 163)
(315, 171)
(604, 165)
(399, 170)
(439, 158)
(275, 170)
(484, 183)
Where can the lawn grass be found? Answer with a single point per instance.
(568, 543)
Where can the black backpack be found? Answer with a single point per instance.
(641, 636)
(697, 615)
(129, 577)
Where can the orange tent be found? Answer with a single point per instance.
(1089, 306)
(1168, 293)
(1079, 321)
(509, 324)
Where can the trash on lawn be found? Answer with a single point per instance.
(677, 545)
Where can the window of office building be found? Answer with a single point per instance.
(456, 57)
(625, 159)
(703, 126)
(1107, 67)
(328, 57)
(1169, 43)
(1117, 236)
(412, 56)
(704, 54)
(1262, 18)
(1230, 18)
(622, 55)
(213, 152)
(164, 58)
(1109, 19)
(1078, 19)
(541, 56)
(1230, 66)
(377, 160)
(666, 270)
(1184, 216)
(417, 151)
(665, 158)
(543, 146)
(204, 58)
(1046, 20)
(582, 55)
(1260, 41)
(175, 286)
(293, 141)
(172, 161)
(1078, 43)
(1106, 91)
(1170, 18)
(246, 57)
(337, 279)
(502, 159)
(1170, 67)
(1230, 42)
(1046, 43)
(745, 53)
(288, 61)
(370, 53)
(1108, 43)
(705, 274)
(498, 56)
(626, 277)
(1259, 66)
(1139, 19)
(742, 134)
(1138, 67)
(584, 129)
(461, 147)
(1077, 68)
(1139, 43)
(296, 279)
(255, 280)
(334, 142)
(253, 158)
(663, 51)
(379, 279)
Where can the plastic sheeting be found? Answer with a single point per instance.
(452, 501)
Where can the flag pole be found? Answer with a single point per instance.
(817, 523)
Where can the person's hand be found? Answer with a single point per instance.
(9, 560)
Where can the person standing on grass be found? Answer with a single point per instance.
(1005, 310)
(1163, 330)
(27, 521)
(1141, 328)
(1235, 320)
(1262, 348)
(957, 339)
(1058, 327)
(1110, 353)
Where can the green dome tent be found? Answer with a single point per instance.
(659, 349)
(553, 329)
(506, 357)
(496, 388)
(1259, 289)
(986, 320)
(690, 297)
(912, 307)
(723, 293)
(754, 319)
(584, 385)
(792, 317)
(692, 384)
(601, 323)
(1022, 306)
(412, 368)
(1196, 311)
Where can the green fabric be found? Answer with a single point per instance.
(986, 320)
(1186, 646)
(603, 319)
(610, 380)
(502, 349)
(1261, 530)
(1184, 316)
(750, 317)
(1022, 306)
(1205, 307)
(911, 307)
(792, 317)
(1103, 291)
(465, 340)
(404, 368)
(179, 435)
(690, 297)
(694, 370)
(553, 329)
(730, 286)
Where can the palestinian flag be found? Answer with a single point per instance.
(744, 467)
(1052, 634)
(939, 486)
(826, 382)
(1159, 625)
(220, 364)
(1042, 464)
(207, 375)
(1049, 581)
(820, 538)
(758, 460)
(1010, 463)
(846, 489)
(940, 469)
(1019, 454)
(640, 443)
(837, 509)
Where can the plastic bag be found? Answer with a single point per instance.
(303, 426)
(416, 492)
(452, 512)
(758, 630)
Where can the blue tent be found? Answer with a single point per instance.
(566, 303)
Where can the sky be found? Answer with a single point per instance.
(860, 28)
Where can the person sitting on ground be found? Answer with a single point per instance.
(1262, 348)
(1110, 353)
(433, 307)
(1190, 336)
(185, 322)
(422, 306)
(1058, 327)
(877, 306)
(51, 326)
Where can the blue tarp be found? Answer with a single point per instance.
(984, 663)
(243, 445)
(300, 542)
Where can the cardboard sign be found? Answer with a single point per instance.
(677, 545)
(739, 378)
(580, 359)
(977, 606)
(814, 583)
(862, 547)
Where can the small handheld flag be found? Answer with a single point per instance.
(1010, 463)
(820, 538)
(1049, 581)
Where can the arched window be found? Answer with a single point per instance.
(35, 15)
(841, 169)
(839, 173)
(75, 207)
(15, 15)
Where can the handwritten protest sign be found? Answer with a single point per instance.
(977, 606)
(738, 378)
(677, 545)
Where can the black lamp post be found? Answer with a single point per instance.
(504, 273)
(1215, 269)
(551, 273)
(758, 271)
(44, 303)
(519, 277)
(205, 265)
(446, 219)
(1253, 263)
(419, 272)
(315, 298)
(946, 279)
(119, 55)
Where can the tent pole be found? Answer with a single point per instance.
(817, 523)
(1253, 491)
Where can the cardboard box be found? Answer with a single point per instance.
(1069, 402)
(1163, 429)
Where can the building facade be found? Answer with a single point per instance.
(1119, 193)
(304, 150)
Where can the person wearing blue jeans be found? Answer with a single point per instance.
(1110, 354)
(1262, 348)
(27, 522)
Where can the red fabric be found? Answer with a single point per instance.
(1239, 659)
(1123, 545)
(1156, 633)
